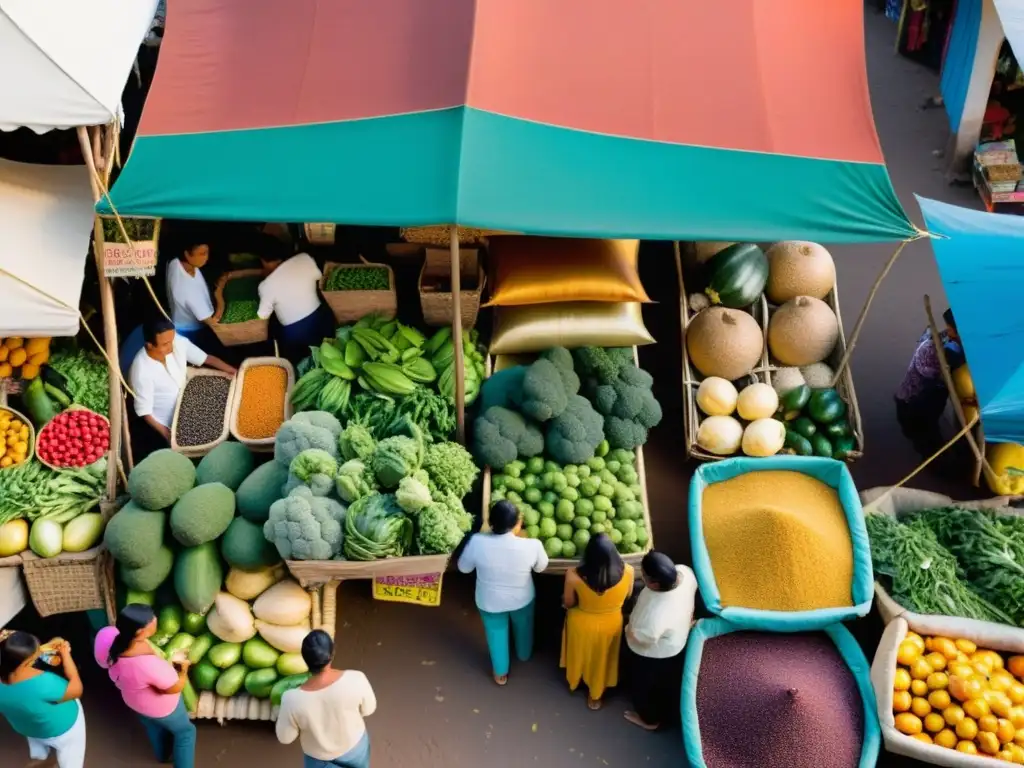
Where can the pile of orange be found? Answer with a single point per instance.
(15, 440)
(950, 693)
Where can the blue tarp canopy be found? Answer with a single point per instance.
(981, 262)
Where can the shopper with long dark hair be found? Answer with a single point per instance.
(593, 595)
(150, 685)
(40, 704)
(326, 712)
(656, 635)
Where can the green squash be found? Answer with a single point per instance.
(737, 276)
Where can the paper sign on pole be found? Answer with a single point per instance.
(135, 260)
(424, 589)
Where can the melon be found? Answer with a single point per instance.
(802, 331)
(799, 268)
(818, 375)
(724, 342)
(785, 380)
(703, 252)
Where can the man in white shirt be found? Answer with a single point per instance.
(187, 291)
(158, 373)
(290, 293)
(504, 565)
(656, 635)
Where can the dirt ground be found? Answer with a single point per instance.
(437, 704)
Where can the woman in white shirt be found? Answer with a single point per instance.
(290, 292)
(158, 373)
(656, 635)
(187, 293)
(504, 565)
(326, 712)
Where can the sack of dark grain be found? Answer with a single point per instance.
(201, 412)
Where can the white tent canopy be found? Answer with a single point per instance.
(64, 63)
(47, 215)
(1011, 14)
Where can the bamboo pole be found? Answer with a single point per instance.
(947, 375)
(109, 322)
(459, 360)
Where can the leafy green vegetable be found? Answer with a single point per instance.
(921, 574)
(412, 494)
(376, 527)
(87, 376)
(451, 468)
(354, 480)
(441, 526)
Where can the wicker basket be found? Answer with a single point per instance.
(31, 432)
(195, 451)
(692, 416)
(439, 306)
(235, 334)
(67, 583)
(349, 306)
(320, 234)
(73, 407)
(441, 235)
(263, 443)
(245, 707)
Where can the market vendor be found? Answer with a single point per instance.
(157, 374)
(290, 293)
(191, 307)
(921, 397)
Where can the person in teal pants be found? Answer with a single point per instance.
(504, 564)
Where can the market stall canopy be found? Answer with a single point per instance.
(981, 265)
(47, 215)
(65, 62)
(648, 119)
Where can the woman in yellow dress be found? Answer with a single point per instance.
(593, 595)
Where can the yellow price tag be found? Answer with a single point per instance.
(424, 589)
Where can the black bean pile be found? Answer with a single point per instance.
(201, 415)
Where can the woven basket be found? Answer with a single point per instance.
(441, 235)
(439, 306)
(263, 443)
(845, 386)
(320, 234)
(67, 583)
(31, 432)
(235, 334)
(73, 407)
(245, 707)
(349, 306)
(692, 417)
(195, 451)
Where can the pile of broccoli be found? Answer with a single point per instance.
(563, 406)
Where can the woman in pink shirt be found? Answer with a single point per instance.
(149, 685)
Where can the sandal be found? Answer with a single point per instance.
(501, 679)
(593, 704)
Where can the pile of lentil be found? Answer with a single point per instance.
(778, 541)
(778, 701)
(358, 279)
(241, 299)
(261, 408)
(201, 412)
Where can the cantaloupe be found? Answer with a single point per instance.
(724, 342)
(802, 331)
(818, 375)
(799, 268)
(702, 252)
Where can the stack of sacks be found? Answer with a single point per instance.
(562, 292)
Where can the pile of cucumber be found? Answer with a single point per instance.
(816, 423)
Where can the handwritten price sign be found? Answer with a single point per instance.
(121, 260)
(424, 589)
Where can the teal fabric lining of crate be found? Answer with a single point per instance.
(829, 471)
(707, 629)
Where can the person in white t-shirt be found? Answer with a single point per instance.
(290, 293)
(656, 635)
(326, 713)
(504, 565)
(158, 373)
(187, 292)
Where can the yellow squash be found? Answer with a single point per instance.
(1005, 459)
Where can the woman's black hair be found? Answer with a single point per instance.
(948, 317)
(130, 620)
(659, 569)
(153, 328)
(601, 566)
(18, 648)
(503, 517)
(317, 651)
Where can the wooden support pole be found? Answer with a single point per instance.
(109, 323)
(459, 360)
(947, 375)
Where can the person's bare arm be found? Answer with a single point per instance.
(220, 365)
(164, 431)
(182, 670)
(569, 590)
(75, 688)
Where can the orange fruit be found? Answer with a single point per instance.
(946, 647)
(953, 714)
(921, 707)
(1016, 666)
(908, 653)
(1005, 732)
(922, 737)
(936, 660)
(939, 699)
(919, 687)
(937, 681)
(933, 723)
(1017, 718)
(920, 669)
(988, 723)
(965, 646)
(967, 729)
(988, 743)
(916, 639)
(910, 724)
(1016, 693)
(901, 701)
(902, 680)
(967, 747)
(977, 708)
(946, 739)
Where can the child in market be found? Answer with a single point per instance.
(921, 397)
